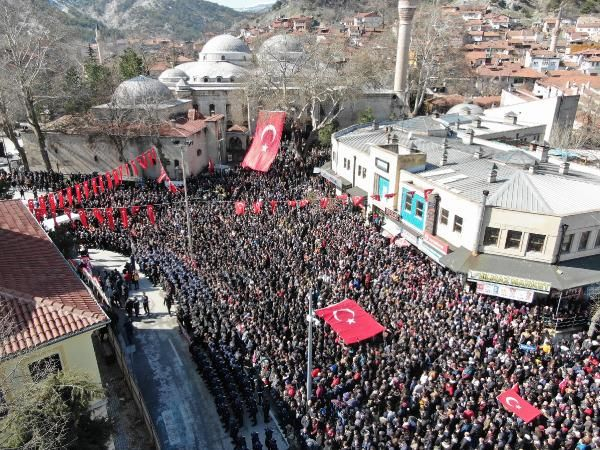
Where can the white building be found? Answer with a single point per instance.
(542, 60)
(368, 21)
(513, 220)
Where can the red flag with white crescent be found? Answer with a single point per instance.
(351, 322)
(240, 208)
(265, 144)
(163, 175)
(514, 403)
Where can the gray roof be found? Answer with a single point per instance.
(543, 192)
(225, 43)
(141, 90)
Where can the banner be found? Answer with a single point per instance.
(351, 322)
(150, 211)
(514, 403)
(265, 144)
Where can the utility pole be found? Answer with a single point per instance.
(309, 362)
(187, 143)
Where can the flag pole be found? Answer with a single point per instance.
(187, 206)
(309, 362)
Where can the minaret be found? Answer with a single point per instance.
(98, 44)
(556, 31)
(406, 12)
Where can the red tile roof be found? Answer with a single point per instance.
(40, 294)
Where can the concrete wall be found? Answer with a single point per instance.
(384, 105)
(578, 224)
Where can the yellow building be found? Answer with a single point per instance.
(47, 315)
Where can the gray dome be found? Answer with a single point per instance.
(141, 90)
(466, 109)
(282, 43)
(172, 75)
(225, 43)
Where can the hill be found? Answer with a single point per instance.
(183, 19)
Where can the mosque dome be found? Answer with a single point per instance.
(466, 109)
(141, 90)
(282, 43)
(225, 43)
(172, 76)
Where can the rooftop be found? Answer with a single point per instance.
(41, 294)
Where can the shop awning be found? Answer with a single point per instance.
(339, 182)
(567, 275)
(355, 191)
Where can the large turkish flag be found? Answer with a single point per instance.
(514, 403)
(350, 321)
(265, 144)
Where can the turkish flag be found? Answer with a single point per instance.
(101, 183)
(127, 169)
(70, 196)
(343, 197)
(111, 218)
(61, 200)
(117, 175)
(426, 194)
(324, 202)
(257, 207)
(124, 220)
(86, 191)
(163, 175)
(514, 403)
(351, 322)
(240, 208)
(392, 195)
(52, 202)
(150, 211)
(358, 200)
(172, 188)
(78, 193)
(42, 203)
(135, 210)
(273, 204)
(376, 197)
(265, 144)
(30, 205)
(98, 215)
(292, 203)
(83, 218)
(142, 161)
(94, 187)
(109, 181)
(211, 167)
(303, 203)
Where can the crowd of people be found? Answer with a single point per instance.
(430, 381)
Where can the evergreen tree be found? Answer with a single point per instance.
(130, 64)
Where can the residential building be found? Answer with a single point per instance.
(48, 313)
(590, 25)
(542, 60)
(368, 20)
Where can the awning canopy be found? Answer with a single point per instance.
(568, 274)
(339, 182)
(355, 191)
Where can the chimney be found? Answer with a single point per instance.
(510, 118)
(395, 139)
(493, 174)
(444, 158)
(192, 114)
(478, 154)
(533, 168)
(406, 12)
(545, 153)
(478, 122)
(563, 169)
(375, 125)
(533, 146)
(468, 137)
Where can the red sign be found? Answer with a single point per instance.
(514, 403)
(266, 141)
(436, 243)
(350, 321)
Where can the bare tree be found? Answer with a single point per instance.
(9, 106)
(434, 40)
(26, 40)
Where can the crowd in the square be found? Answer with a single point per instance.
(430, 381)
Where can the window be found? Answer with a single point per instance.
(536, 242)
(198, 152)
(583, 240)
(513, 239)
(219, 79)
(359, 169)
(566, 245)
(228, 109)
(597, 244)
(364, 172)
(222, 57)
(231, 79)
(334, 156)
(458, 224)
(444, 217)
(40, 369)
(167, 162)
(206, 79)
(211, 109)
(491, 236)
(419, 209)
(408, 202)
(176, 163)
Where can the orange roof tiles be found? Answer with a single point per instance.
(39, 292)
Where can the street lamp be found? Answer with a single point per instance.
(182, 146)
(309, 363)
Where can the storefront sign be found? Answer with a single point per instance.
(499, 290)
(382, 165)
(567, 294)
(393, 215)
(509, 280)
(436, 243)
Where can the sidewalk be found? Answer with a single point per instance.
(177, 399)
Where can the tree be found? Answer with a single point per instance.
(130, 64)
(435, 40)
(9, 108)
(26, 40)
(325, 134)
(366, 116)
